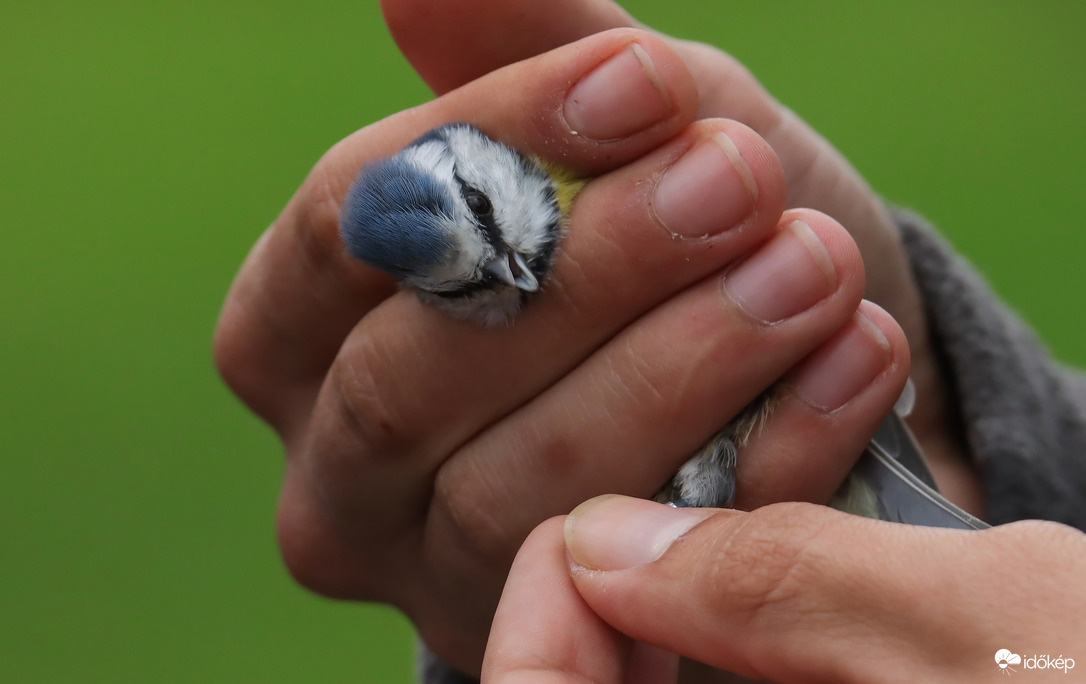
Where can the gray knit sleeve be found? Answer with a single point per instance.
(1024, 413)
(430, 670)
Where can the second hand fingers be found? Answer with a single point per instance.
(793, 592)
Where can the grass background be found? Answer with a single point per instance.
(144, 146)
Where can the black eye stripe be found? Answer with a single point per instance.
(466, 289)
(483, 210)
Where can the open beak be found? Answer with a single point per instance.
(511, 269)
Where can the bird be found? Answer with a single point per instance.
(471, 225)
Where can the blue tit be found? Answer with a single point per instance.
(472, 225)
(469, 224)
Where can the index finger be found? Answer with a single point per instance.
(591, 107)
(544, 631)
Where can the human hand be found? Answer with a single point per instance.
(452, 43)
(789, 592)
(422, 450)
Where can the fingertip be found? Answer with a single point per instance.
(839, 244)
(543, 630)
(613, 532)
(719, 175)
(594, 105)
(620, 96)
(842, 367)
(828, 407)
(890, 329)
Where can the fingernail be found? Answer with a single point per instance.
(621, 96)
(788, 275)
(844, 366)
(709, 190)
(613, 532)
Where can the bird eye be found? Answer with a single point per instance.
(478, 203)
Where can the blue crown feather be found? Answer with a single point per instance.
(393, 218)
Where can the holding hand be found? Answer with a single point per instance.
(422, 450)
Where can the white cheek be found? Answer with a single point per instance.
(527, 219)
(464, 262)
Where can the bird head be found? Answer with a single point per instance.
(469, 223)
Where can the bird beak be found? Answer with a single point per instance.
(512, 269)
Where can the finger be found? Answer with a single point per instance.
(543, 631)
(826, 410)
(450, 44)
(410, 386)
(298, 293)
(790, 592)
(626, 418)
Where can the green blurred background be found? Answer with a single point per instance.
(144, 147)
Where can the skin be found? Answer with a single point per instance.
(421, 451)
(789, 592)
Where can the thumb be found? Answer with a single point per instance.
(798, 592)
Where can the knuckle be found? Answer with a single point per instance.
(229, 356)
(236, 356)
(316, 213)
(318, 559)
(469, 508)
(730, 76)
(367, 402)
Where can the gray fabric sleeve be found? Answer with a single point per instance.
(1023, 413)
(430, 670)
